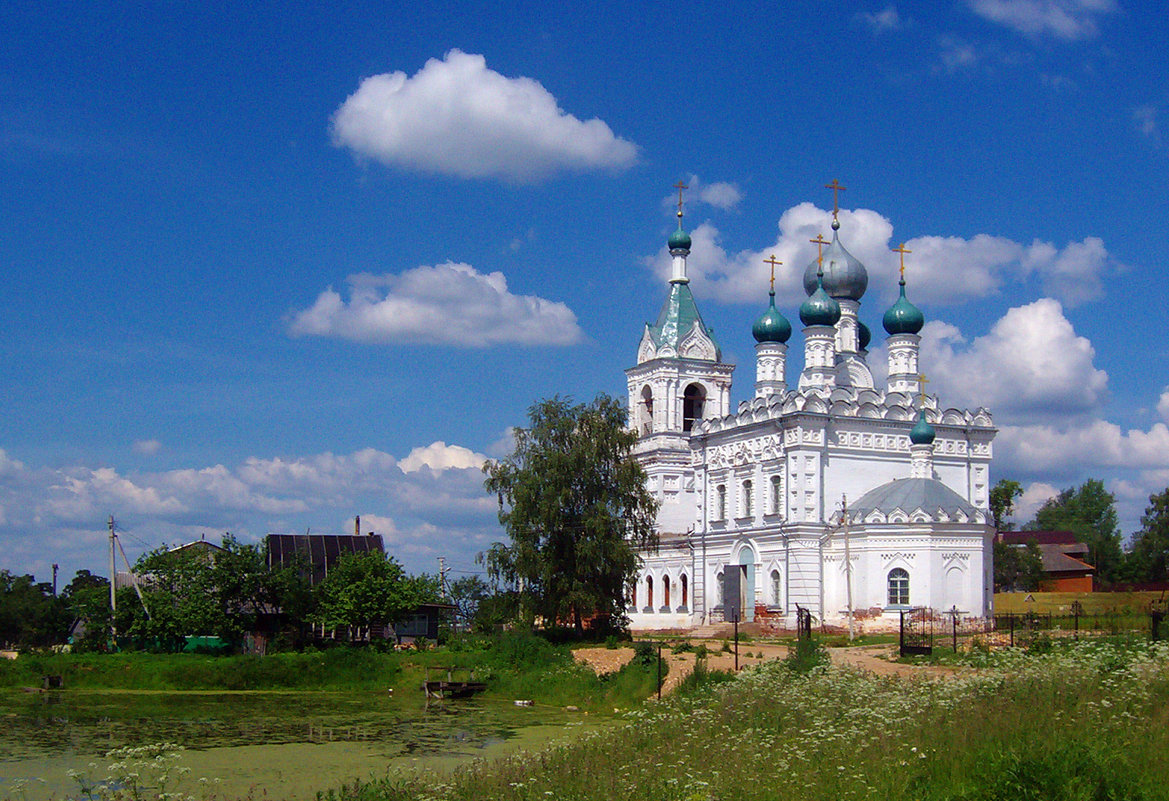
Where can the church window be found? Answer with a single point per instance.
(775, 592)
(647, 410)
(719, 588)
(720, 508)
(776, 495)
(649, 592)
(898, 587)
(666, 592)
(748, 497)
(632, 595)
(682, 580)
(693, 400)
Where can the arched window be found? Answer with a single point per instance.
(649, 592)
(776, 595)
(748, 499)
(898, 587)
(666, 592)
(682, 579)
(776, 495)
(720, 588)
(647, 410)
(720, 507)
(693, 400)
(632, 593)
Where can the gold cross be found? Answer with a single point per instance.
(820, 243)
(921, 382)
(902, 251)
(836, 190)
(773, 264)
(680, 186)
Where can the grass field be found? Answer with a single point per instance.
(1084, 721)
(1060, 603)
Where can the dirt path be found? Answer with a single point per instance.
(609, 660)
(880, 659)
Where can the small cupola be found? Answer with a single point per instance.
(819, 308)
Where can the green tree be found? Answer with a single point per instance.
(466, 595)
(1089, 511)
(87, 601)
(575, 507)
(367, 589)
(1017, 568)
(1148, 559)
(1002, 502)
(29, 613)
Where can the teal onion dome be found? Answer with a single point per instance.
(819, 308)
(863, 335)
(771, 326)
(679, 240)
(903, 317)
(922, 433)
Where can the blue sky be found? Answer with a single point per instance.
(271, 267)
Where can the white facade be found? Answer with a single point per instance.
(761, 490)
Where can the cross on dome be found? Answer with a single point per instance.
(774, 263)
(836, 190)
(902, 251)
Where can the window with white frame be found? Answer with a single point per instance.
(776, 596)
(776, 494)
(898, 587)
(748, 499)
(720, 505)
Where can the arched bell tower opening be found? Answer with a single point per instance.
(646, 411)
(693, 402)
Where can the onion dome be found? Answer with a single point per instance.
(819, 308)
(771, 326)
(844, 275)
(863, 335)
(680, 240)
(903, 317)
(922, 433)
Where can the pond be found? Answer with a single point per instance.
(279, 744)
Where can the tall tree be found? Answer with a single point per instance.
(1017, 568)
(1089, 511)
(1148, 560)
(1002, 502)
(576, 508)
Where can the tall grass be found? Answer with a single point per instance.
(1085, 723)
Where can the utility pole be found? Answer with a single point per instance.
(442, 582)
(55, 568)
(113, 591)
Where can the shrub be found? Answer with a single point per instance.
(807, 655)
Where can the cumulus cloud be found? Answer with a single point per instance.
(721, 195)
(1034, 496)
(57, 514)
(457, 117)
(1030, 362)
(439, 456)
(447, 304)
(1071, 274)
(1099, 443)
(883, 21)
(955, 53)
(147, 447)
(1067, 20)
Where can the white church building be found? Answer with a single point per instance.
(823, 491)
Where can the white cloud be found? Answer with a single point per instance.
(1145, 118)
(1071, 274)
(721, 195)
(442, 509)
(439, 456)
(447, 304)
(1034, 496)
(883, 21)
(147, 447)
(457, 117)
(1030, 362)
(1163, 404)
(1068, 20)
(956, 54)
(1097, 443)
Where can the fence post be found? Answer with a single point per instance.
(1011, 618)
